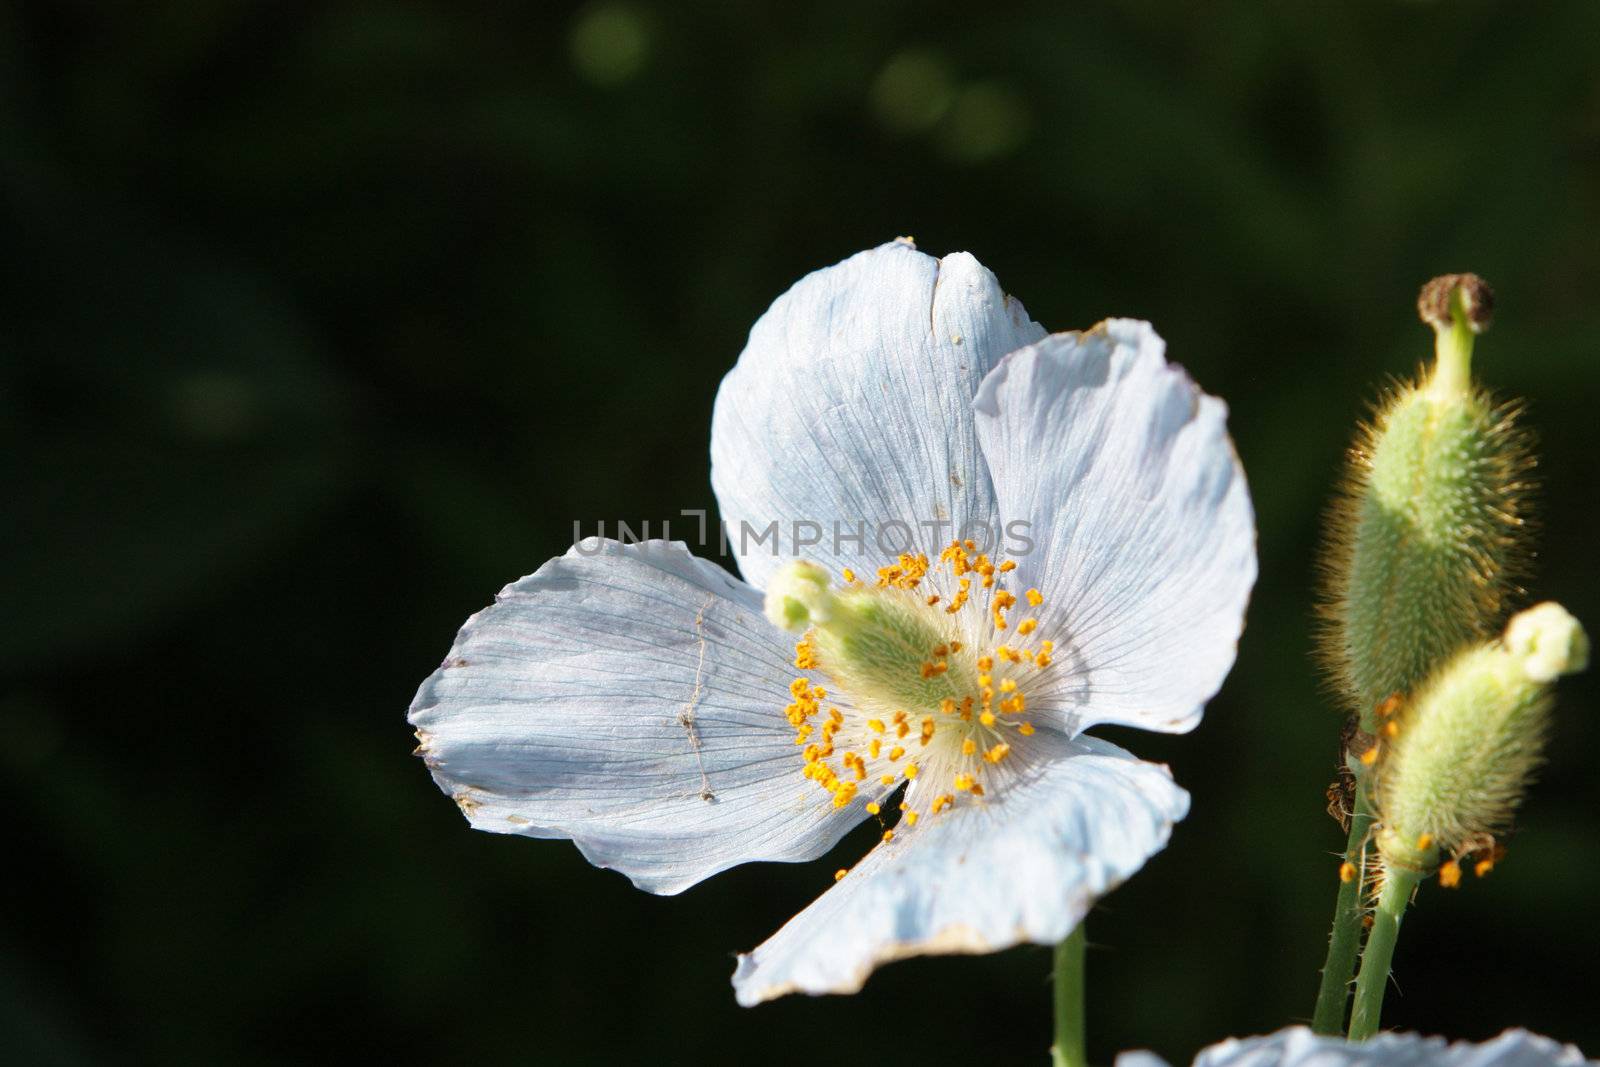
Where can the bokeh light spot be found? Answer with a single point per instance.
(609, 43)
(912, 91)
(987, 121)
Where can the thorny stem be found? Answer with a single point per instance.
(1345, 939)
(1398, 884)
(1069, 1050)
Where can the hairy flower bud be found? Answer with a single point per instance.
(1459, 756)
(1430, 529)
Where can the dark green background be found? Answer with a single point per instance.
(322, 321)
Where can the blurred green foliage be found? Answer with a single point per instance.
(319, 322)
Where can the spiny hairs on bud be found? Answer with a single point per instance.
(1461, 754)
(1428, 534)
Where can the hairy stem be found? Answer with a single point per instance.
(1345, 939)
(1374, 979)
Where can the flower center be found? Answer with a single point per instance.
(934, 690)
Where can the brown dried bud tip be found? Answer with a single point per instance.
(1477, 301)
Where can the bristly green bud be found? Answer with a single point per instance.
(1456, 759)
(1430, 529)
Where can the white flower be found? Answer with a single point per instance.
(1299, 1047)
(637, 700)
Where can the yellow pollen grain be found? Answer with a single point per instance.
(836, 715)
(1007, 685)
(1027, 626)
(873, 807)
(888, 835)
(968, 747)
(1450, 875)
(964, 782)
(1391, 729)
(1424, 840)
(987, 718)
(874, 747)
(911, 772)
(875, 725)
(986, 663)
(998, 752)
(1026, 729)
(933, 599)
(927, 729)
(1347, 871)
(849, 575)
(1483, 867)
(1034, 597)
(1370, 756)
(985, 680)
(895, 753)
(1008, 566)
(911, 818)
(887, 779)
(844, 794)
(944, 800)
(948, 706)
(838, 876)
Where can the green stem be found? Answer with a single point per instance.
(1452, 347)
(1374, 979)
(1345, 939)
(1068, 1050)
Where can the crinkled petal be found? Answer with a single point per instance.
(1299, 1047)
(851, 404)
(629, 697)
(1025, 864)
(1142, 529)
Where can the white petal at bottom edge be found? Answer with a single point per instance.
(1022, 865)
(1299, 1047)
(629, 697)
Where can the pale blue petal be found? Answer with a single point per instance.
(851, 404)
(1299, 1047)
(1144, 536)
(1022, 865)
(631, 700)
